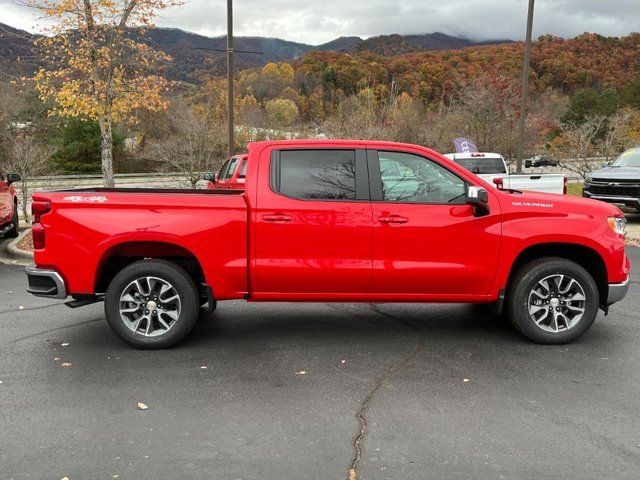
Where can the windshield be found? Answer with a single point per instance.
(482, 164)
(630, 158)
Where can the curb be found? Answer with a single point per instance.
(15, 252)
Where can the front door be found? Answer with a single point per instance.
(313, 225)
(426, 239)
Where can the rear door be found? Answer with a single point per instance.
(313, 223)
(426, 240)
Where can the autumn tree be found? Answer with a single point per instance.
(97, 67)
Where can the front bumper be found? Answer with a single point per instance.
(45, 283)
(619, 199)
(617, 291)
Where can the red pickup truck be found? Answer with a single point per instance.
(331, 221)
(8, 205)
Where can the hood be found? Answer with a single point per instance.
(537, 202)
(616, 173)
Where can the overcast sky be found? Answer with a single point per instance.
(318, 21)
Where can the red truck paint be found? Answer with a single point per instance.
(260, 245)
(8, 205)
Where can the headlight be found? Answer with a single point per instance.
(587, 180)
(618, 225)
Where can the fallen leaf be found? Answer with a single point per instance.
(64, 478)
(66, 364)
(56, 358)
(142, 406)
(21, 307)
(343, 361)
(203, 367)
(465, 379)
(301, 372)
(64, 344)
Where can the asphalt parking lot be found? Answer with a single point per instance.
(282, 391)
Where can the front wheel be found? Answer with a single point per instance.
(552, 300)
(152, 304)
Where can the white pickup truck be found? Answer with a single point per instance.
(492, 168)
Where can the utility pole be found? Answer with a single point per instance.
(230, 137)
(525, 89)
(230, 51)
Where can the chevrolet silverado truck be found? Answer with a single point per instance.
(231, 176)
(330, 221)
(492, 168)
(618, 182)
(9, 224)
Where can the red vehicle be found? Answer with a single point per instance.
(8, 205)
(331, 221)
(231, 176)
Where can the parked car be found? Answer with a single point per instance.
(8, 205)
(618, 182)
(331, 221)
(231, 176)
(492, 168)
(540, 161)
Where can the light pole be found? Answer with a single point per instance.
(525, 89)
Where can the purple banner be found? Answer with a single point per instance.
(464, 145)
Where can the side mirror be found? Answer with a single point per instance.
(210, 176)
(13, 177)
(478, 198)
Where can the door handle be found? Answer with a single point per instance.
(393, 219)
(277, 217)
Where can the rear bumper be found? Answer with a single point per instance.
(45, 283)
(617, 291)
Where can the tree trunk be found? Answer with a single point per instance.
(106, 152)
(24, 188)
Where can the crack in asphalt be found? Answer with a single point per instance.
(361, 414)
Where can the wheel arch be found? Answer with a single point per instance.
(118, 256)
(586, 257)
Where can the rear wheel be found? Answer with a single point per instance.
(152, 304)
(552, 300)
(15, 223)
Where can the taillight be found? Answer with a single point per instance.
(37, 231)
(38, 208)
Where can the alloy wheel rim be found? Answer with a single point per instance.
(557, 303)
(150, 306)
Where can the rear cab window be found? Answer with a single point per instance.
(482, 165)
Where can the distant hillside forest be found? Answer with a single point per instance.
(585, 101)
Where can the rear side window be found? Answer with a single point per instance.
(243, 169)
(316, 174)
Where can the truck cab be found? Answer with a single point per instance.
(231, 175)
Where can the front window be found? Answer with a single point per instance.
(630, 158)
(414, 179)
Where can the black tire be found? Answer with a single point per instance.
(168, 272)
(15, 229)
(524, 282)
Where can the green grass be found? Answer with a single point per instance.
(574, 189)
